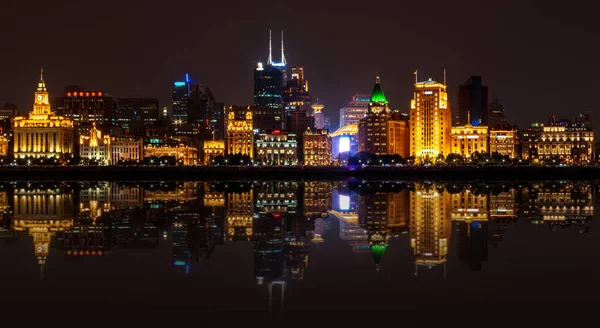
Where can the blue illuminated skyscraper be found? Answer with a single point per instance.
(181, 96)
(268, 88)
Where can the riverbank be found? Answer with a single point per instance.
(284, 173)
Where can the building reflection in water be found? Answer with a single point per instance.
(285, 221)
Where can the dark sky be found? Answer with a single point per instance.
(538, 57)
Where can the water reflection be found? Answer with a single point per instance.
(286, 221)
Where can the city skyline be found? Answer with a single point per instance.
(522, 51)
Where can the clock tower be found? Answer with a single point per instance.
(41, 105)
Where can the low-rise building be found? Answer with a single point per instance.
(504, 140)
(212, 149)
(468, 139)
(95, 147)
(125, 150)
(276, 147)
(183, 154)
(317, 147)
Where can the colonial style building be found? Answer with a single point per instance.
(125, 149)
(42, 133)
(505, 140)
(468, 139)
(430, 120)
(276, 147)
(95, 146)
(183, 154)
(212, 149)
(572, 143)
(317, 147)
(240, 134)
(372, 130)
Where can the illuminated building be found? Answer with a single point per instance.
(240, 214)
(558, 204)
(268, 89)
(181, 101)
(3, 146)
(430, 121)
(133, 114)
(355, 110)
(504, 205)
(496, 112)
(372, 130)
(212, 149)
(299, 122)
(85, 107)
(505, 140)
(318, 116)
(469, 139)
(183, 154)
(276, 147)
(572, 143)
(398, 135)
(42, 134)
(95, 147)
(125, 150)
(344, 143)
(296, 98)
(430, 226)
(317, 148)
(468, 206)
(472, 103)
(240, 134)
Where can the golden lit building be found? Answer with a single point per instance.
(3, 145)
(212, 149)
(505, 141)
(317, 147)
(469, 139)
(430, 121)
(240, 134)
(240, 214)
(183, 154)
(317, 198)
(276, 147)
(125, 149)
(430, 225)
(373, 129)
(42, 133)
(572, 143)
(95, 146)
(504, 205)
(398, 134)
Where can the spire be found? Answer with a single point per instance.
(41, 85)
(377, 95)
(270, 61)
(41, 73)
(282, 54)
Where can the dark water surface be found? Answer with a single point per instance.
(305, 253)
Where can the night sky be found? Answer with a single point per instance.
(538, 57)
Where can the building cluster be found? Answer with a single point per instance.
(429, 131)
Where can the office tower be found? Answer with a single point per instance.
(269, 80)
(181, 96)
(559, 141)
(42, 133)
(496, 112)
(472, 103)
(372, 130)
(430, 226)
(296, 97)
(133, 114)
(240, 134)
(206, 113)
(318, 116)
(276, 147)
(85, 107)
(430, 121)
(355, 110)
(317, 147)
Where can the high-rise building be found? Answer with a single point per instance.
(372, 130)
(296, 97)
(430, 121)
(398, 135)
(318, 116)
(355, 110)
(299, 122)
(496, 112)
(472, 103)
(317, 147)
(133, 114)
(181, 97)
(85, 107)
(42, 133)
(240, 134)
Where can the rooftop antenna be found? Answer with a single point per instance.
(41, 73)
(444, 77)
(282, 55)
(416, 76)
(270, 61)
